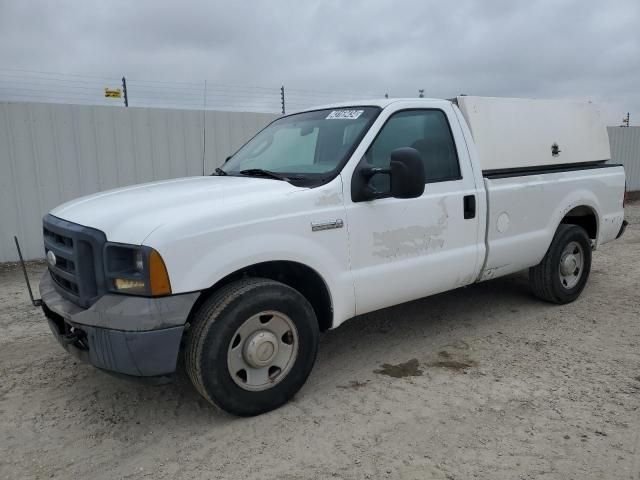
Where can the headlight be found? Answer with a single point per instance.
(139, 261)
(136, 270)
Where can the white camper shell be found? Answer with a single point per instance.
(513, 133)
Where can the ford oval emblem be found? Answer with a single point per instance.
(51, 258)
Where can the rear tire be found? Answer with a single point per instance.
(251, 346)
(564, 270)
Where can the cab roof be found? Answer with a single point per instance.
(379, 102)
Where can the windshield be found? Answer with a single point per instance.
(304, 146)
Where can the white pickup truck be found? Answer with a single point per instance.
(323, 215)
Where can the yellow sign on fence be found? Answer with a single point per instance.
(112, 93)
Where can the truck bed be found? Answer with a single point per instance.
(525, 209)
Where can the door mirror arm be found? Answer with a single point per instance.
(361, 190)
(371, 171)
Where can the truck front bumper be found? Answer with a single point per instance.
(124, 334)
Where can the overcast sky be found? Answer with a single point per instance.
(561, 48)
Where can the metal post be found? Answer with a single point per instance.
(36, 302)
(124, 88)
(282, 98)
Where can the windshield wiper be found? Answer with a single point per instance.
(259, 172)
(221, 172)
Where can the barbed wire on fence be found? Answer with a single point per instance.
(57, 87)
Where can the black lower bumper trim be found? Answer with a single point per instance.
(140, 353)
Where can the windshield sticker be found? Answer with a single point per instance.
(344, 114)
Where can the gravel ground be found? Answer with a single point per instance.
(482, 382)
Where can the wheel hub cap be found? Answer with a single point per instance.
(571, 263)
(261, 349)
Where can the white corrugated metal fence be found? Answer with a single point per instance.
(625, 149)
(51, 153)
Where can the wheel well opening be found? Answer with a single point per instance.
(296, 275)
(584, 217)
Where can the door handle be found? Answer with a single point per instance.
(469, 204)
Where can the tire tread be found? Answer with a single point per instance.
(203, 320)
(541, 276)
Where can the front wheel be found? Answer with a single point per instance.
(251, 346)
(564, 270)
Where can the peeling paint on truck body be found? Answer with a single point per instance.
(412, 240)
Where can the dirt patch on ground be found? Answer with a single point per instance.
(553, 393)
(409, 368)
(453, 364)
(454, 360)
(354, 384)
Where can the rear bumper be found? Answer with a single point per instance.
(128, 335)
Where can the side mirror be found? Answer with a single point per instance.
(407, 173)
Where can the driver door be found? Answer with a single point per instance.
(403, 249)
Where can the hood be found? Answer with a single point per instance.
(130, 214)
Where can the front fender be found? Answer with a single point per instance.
(199, 263)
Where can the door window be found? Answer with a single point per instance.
(425, 130)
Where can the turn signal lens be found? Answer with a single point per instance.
(158, 277)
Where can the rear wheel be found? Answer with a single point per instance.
(564, 270)
(251, 346)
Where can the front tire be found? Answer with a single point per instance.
(564, 270)
(251, 346)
